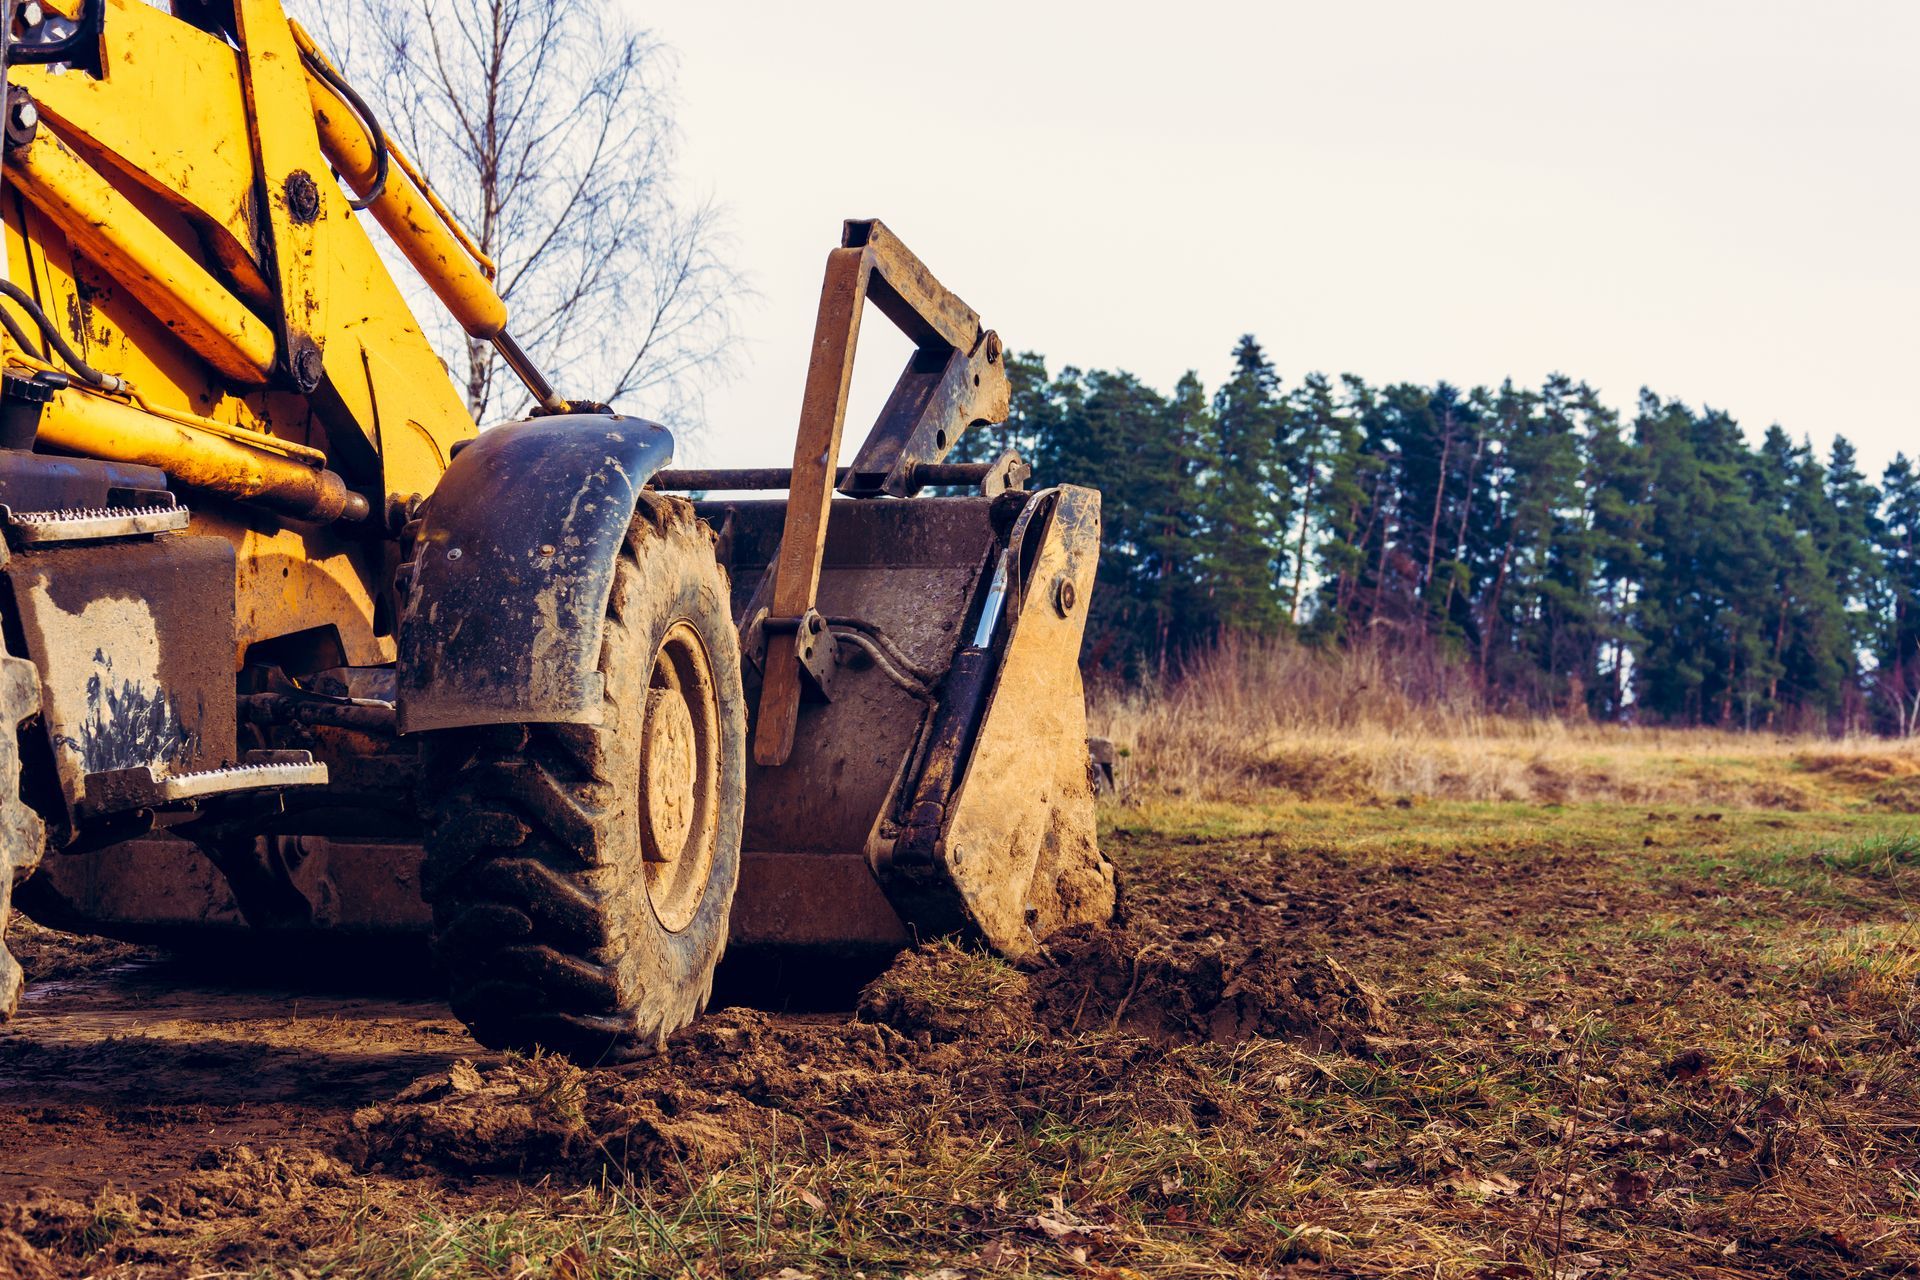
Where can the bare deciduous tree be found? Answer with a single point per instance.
(547, 127)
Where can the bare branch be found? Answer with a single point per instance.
(547, 126)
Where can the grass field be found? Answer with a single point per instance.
(1663, 1024)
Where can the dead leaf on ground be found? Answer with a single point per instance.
(569, 1264)
(1486, 1184)
(1065, 1232)
(1688, 1064)
(999, 1253)
(1631, 1188)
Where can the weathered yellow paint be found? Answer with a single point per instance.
(107, 227)
(201, 455)
(292, 579)
(188, 149)
(286, 153)
(141, 237)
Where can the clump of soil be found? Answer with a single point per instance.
(943, 993)
(18, 1258)
(245, 1181)
(47, 1234)
(1091, 979)
(1186, 993)
(941, 1021)
(544, 1115)
(48, 955)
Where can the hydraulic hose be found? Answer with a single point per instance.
(84, 38)
(19, 335)
(58, 340)
(376, 137)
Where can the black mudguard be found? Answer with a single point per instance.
(512, 570)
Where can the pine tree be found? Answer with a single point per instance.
(1244, 508)
(1351, 508)
(1571, 625)
(1170, 518)
(1808, 662)
(1897, 653)
(1850, 544)
(1617, 501)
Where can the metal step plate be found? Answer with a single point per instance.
(121, 790)
(31, 528)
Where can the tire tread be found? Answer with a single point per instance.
(523, 861)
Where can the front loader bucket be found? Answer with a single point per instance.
(935, 786)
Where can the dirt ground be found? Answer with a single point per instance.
(1354, 1039)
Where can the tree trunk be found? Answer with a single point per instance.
(1733, 655)
(1460, 528)
(1366, 539)
(1439, 498)
(1300, 544)
(1779, 647)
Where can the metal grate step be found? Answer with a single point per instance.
(120, 790)
(86, 523)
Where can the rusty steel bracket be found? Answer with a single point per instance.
(1005, 474)
(954, 380)
(814, 645)
(998, 838)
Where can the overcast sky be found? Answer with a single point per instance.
(1717, 200)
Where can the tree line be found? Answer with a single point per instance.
(1653, 568)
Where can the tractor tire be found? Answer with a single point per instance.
(582, 876)
(23, 836)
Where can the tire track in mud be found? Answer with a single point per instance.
(124, 1076)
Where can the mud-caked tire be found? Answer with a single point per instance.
(23, 837)
(582, 876)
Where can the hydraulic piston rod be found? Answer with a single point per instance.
(416, 225)
(274, 475)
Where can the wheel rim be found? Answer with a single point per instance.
(680, 777)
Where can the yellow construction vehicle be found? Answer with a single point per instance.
(294, 651)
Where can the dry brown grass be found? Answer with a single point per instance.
(1372, 724)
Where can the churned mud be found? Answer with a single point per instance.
(126, 1075)
(1552, 1054)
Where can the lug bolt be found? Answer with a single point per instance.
(31, 13)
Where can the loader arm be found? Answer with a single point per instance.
(953, 380)
(192, 310)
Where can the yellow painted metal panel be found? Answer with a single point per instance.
(185, 142)
(107, 227)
